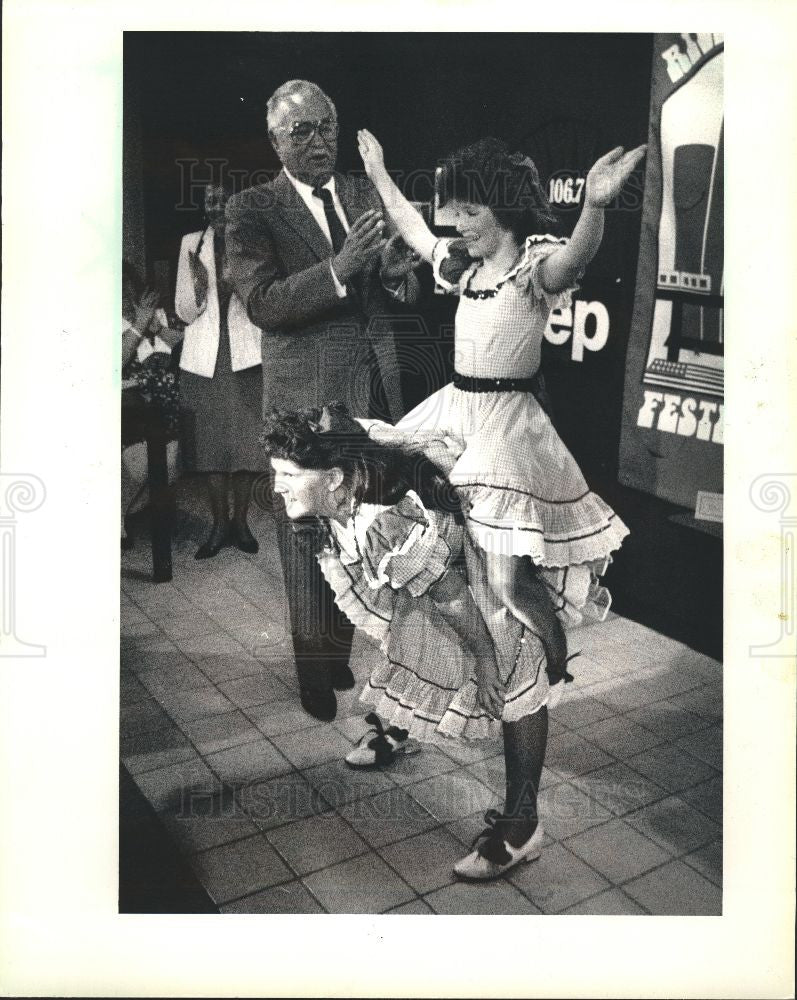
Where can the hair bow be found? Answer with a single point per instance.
(521, 161)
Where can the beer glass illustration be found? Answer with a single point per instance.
(687, 335)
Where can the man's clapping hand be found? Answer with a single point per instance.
(397, 259)
(363, 245)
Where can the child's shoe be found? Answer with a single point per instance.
(383, 747)
(494, 856)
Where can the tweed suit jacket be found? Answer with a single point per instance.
(315, 344)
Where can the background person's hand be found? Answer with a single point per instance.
(364, 243)
(199, 276)
(609, 174)
(145, 310)
(398, 259)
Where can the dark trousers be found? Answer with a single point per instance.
(321, 634)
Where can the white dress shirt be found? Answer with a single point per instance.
(316, 208)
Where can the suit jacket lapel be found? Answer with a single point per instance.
(295, 213)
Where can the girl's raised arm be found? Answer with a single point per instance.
(605, 180)
(407, 220)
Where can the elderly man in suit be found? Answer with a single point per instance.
(309, 256)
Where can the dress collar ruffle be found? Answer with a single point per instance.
(527, 260)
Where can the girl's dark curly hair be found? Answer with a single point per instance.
(382, 474)
(486, 173)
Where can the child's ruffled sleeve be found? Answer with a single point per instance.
(410, 547)
(450, 260)
(527, 274)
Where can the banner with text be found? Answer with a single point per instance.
(671, 441)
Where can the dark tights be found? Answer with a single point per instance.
(524, 754)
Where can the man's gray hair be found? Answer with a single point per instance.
(287, 90)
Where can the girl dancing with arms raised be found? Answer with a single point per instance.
(544, 537)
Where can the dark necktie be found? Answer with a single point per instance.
(336, 231)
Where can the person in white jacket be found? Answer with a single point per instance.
(220, 381)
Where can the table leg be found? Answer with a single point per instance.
(158, 472)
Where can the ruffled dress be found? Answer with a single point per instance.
(522, 491)
(381, 566)
(522, 494)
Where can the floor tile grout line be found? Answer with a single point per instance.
(216, 684)
(685, 859)
(678, 857)
(614, 718)
(384, 860)
(587, 899)
(667, 794)
(294, 769)
(621, 713)
(217, 627)
(375, 850)
(409, 902)
(674, 857)
(246, 895)
(207, 764)
(266, 735)
(371, 847)
(177, 723)
(610, 884)
(186, 614)
(626, 761)
(323, 868)
(563, 841)
(223, 628)
(259, 832)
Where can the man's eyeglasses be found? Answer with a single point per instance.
(302, 132)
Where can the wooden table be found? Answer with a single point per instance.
(145, 421)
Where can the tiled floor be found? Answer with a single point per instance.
(255, 792)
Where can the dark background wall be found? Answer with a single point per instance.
(195, 107)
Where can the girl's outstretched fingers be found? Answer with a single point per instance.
(609, 173)
(633, 156)
(608, 158)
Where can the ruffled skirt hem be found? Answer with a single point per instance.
(431, 714)
(507, 521)
(368, 609)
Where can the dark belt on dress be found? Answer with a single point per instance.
(469, 383)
